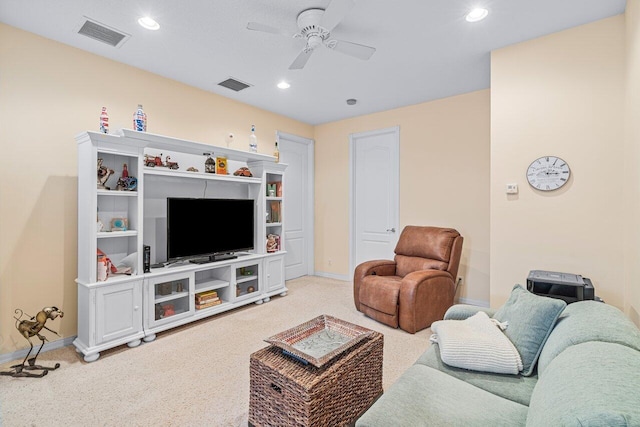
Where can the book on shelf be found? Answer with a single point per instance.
(275, 211)
(207, 294)
(206, 299)
(200, 306)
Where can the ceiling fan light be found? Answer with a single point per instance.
(148, 23)
(284, 85)
(477, 14)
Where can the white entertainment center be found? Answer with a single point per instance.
(128, 308)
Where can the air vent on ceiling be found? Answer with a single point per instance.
(101, 32)
(234, 84)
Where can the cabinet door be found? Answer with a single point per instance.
(248, 280)
(170, 298)
(118, 311)
(275, 273)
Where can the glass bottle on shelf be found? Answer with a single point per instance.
(104, 121)
(276, 152)
(253, 140)
(140, 120)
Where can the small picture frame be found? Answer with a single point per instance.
(119, 224)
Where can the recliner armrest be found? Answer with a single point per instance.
(433, 286)
(464, 311)
(381, 267)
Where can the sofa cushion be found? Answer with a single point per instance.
(463, 311)
(589, 384)
(423, 396)
(588, 321)
(517, 388)
(476, 343)
(531, 318)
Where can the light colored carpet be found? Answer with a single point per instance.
(193, 375)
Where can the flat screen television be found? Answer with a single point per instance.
(206, 230)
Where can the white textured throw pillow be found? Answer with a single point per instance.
(477, 344)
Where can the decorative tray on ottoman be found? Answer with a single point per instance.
(320, 339)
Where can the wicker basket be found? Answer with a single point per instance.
(286, 392)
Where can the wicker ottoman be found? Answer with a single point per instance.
(285, 392)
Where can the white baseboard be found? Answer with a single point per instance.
(478, 303)
(332, 276)
(20, 354)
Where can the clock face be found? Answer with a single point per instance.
(548, 173)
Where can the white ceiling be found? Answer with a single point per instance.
(425, 48)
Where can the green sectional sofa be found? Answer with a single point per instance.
(588, 374)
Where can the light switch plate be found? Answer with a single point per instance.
(512, 188)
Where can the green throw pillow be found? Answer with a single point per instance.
(531, 318)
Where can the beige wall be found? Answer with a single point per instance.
(632, 161)
(563, 95)
(49, 93)
(444, 180)
(560, 95)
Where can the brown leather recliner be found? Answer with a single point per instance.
(418, 286)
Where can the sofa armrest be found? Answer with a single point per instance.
(463, 311)
(382, 267)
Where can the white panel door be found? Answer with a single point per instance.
(375, 194)
(297, 153)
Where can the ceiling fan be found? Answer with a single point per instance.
(315, 26)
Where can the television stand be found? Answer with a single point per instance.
(213, 258)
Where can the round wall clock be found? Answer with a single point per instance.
(548, 173)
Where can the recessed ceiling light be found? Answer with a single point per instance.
(477, 14)
(351, 101)
(148, 23)
(284, 85)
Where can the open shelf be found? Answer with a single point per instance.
(245, 279)
(211, 285)
(117, 193)
(108, 234)
(200, 176)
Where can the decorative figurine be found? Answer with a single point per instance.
(152, 161)
(250, 289)
(192, 169)
(103, 175)
(272, 243)
(243, 171)
(209, 164)
(28, 329)
(126, 182)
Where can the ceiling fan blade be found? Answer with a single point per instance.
(256, 26)
(356, 50)
(301, 59)
(335, 12)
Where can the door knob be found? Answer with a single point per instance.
(393, 230)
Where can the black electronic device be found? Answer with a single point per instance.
(565, 286)
(207, 230)
(146, 258)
